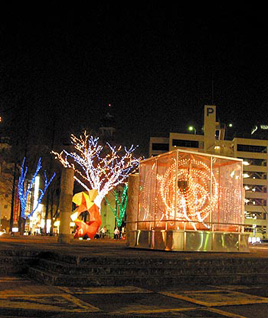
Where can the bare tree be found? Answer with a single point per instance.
(25, 189)
(98, 167)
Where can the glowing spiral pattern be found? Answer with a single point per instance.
(196, 188)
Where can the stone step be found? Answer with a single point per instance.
(18, 253)
(58, 279)
(178, 261)
(59, 267)
(15, 265)
(139, 269)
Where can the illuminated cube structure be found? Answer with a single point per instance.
(189, 201)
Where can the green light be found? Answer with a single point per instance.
(120, 205)
(230, 125)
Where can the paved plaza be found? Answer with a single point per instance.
(22, 297)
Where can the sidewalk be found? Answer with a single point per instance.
(110, 246)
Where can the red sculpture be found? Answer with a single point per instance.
(85, 202)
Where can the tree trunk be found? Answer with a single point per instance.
(13, 197)
(22, 223)
(47, 209)
(66, 196)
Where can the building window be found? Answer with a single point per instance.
(185, 143)
(255, 215)
(255, 162)
(256, 202)
(258, 175)
(255, 188)
(251, 148)
(160, 146)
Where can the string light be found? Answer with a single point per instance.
(195, 199)
(182, 190)
(24, 191)
(185, 190)
(120, 204)
(98, 167)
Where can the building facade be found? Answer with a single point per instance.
(254, 153)
(6, 184)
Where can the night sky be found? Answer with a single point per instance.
(156, 63)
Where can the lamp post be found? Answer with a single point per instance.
(191, 128)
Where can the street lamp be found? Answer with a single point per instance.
(191, 128)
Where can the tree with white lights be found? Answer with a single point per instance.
(98, 167)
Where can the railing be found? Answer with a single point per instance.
(189, 225)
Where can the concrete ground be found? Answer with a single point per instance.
(21, 297)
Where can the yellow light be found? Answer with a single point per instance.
(246, 163)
